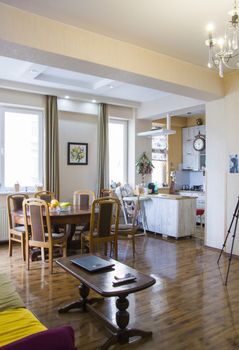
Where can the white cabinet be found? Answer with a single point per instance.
(200, 199)
(200, 196)
(170, 215)
(192, 159)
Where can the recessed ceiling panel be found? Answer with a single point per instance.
(40, 75)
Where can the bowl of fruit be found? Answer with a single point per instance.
(53, 205)
(64, 206)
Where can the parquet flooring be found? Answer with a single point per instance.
(188, 308)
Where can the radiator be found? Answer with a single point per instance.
(3, 221)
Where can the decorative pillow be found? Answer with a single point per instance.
(61, 338)
(9, 298)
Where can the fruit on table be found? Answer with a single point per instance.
(54, 203)
(65, 204)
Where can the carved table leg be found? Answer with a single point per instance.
(80, 304)
(123, 335)
(122, 319)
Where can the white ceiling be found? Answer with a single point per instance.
(175, 28)
(39, 75)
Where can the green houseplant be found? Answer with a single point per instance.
(144, 166)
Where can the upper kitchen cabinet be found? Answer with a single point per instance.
(193, 159)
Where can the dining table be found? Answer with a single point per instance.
(71, 217)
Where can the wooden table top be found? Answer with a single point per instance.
(73, 210)
(73, 216)
(101, 281)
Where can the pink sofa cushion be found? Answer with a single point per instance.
(61, 338)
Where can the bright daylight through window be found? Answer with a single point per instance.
(21, 148)
(159, 159)
(118, 151)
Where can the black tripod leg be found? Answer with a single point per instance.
(235, 214)
(233, 241)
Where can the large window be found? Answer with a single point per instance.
(118, 150)
(21, 148)
(159, 159)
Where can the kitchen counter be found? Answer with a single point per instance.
(190, 192)
(168, 214)
(159, 195)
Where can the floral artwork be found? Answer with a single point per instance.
(144, 166)
(77, 153)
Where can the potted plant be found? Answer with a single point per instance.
(144, 166)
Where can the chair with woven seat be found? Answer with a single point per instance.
(37, 218)
(127, 231)
(46, 196)
(104, 214)
(16, 233)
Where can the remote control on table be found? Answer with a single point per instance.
(123, 280)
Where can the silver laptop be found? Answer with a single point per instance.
(92, 263)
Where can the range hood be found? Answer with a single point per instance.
(159, 131)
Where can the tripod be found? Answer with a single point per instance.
(234, 218)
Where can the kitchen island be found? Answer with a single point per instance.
(168, 214)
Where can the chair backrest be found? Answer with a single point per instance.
(14, 203)
(46, 196)
(135, 212)
(83, 198)
(104, 192)
(104, 213)
(36, 217)
(119, 194)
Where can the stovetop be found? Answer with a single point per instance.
(195, 188)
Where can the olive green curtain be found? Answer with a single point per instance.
(51, 146)
(103, 148)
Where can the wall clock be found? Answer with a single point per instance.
(199, 142)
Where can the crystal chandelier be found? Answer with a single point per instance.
(223, 52)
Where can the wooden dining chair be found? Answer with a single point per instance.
(104, 214)
(39, 230)
(16, 233)
(47, 196)
(104, 192)
(127, 231)
(83, 199)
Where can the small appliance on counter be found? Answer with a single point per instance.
(152, 188)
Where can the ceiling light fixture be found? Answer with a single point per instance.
(224, 51)
(159, 131)
(93, 101)
(67, 97)
(33, 71)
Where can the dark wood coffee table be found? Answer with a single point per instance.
(101, 282)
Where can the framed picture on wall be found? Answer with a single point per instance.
(77, 153)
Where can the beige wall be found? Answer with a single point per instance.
(74, 127)
(222, 140)
(175, 149)
(23, 99)
(191, 121)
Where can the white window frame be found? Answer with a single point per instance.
(124, 122)
(39, 112)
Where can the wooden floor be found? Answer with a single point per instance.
(188, 308)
